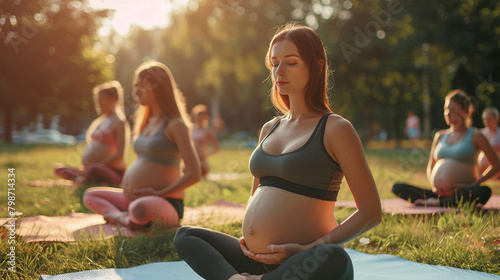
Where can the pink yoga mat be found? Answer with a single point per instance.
(77, 226)
(400, 206)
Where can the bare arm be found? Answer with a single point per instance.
(192, 174)
(432, 161)
(120, 141)
(482, 144)
(348, 152)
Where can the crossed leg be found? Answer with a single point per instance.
(116, 208)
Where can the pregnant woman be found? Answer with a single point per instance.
(204, 137)
(289, 228)
(153, 186)
(492, 132)
(451, 169)
(107, 140)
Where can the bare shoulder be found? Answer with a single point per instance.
(175, 125)
(478, 135)
(337, 125)
(268, 125)
(477, 131)
(440, 134)
(341, 139)
(117, 120)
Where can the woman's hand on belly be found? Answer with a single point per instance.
(140, 192)
(278, 255)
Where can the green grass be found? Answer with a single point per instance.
(468, 239)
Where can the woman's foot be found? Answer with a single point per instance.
(122, 219)
(245, 276)
(429, 202)
(79, 180)
(117, 218)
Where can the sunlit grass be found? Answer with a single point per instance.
(468, 239)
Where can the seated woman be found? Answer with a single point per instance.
(153, 186)
(289, 227)
(107, 140)
(203, 136)
(492, 133)
(451, 168)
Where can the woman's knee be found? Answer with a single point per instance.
(180, 239)
(180, 234)
(397, 188)
(335, 259)
(330, 251)
(139, 208)
(88, 197)
(151, 209)
(484, 194)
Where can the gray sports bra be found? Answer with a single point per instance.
(308, 171)
(158, 148)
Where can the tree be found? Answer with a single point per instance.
(49, 64)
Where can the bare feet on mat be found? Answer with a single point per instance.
(429, 202)
(117, 218)
(245, 276)
(122, 219)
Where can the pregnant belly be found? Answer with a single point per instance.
(447, 172)
(143, 173)
(275, 216)
(95, 152)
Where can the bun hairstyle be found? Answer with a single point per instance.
(461, 98)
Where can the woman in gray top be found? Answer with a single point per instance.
(289, 228)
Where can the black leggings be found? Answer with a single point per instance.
(477, 194)
(217, 256)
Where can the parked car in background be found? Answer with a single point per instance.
(49, 136)
(18, 136)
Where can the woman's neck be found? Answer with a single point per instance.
(299, 110)
(108, 114)
(156, 112)
(459, 129)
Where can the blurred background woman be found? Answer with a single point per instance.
(153, 185)
(204, 136)
(107, 138)
(452, 169)
(492, 132)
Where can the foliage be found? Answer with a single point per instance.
(49, 64)
(384, 54)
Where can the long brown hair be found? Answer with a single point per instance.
(157, 77)
(313, 53)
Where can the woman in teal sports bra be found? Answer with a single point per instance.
(153, 185)
(289, 228)
(452, 170)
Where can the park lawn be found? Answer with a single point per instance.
(469, 239)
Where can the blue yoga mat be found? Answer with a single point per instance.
(366, 267)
